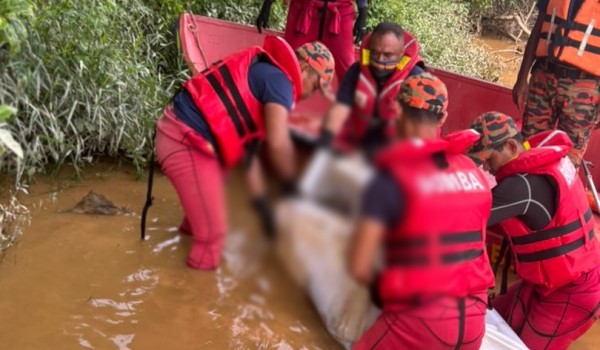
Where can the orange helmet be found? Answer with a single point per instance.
(320, 59)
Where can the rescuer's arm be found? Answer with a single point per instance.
(258, 195)
(262, 21)
(339, 112)
(520, 89)
(530, 198)
(382, 208)
(361, 21)
(510, 199)
(254, 179)
(281, 152)
(333, 122)
(366, 242)
(279, 142)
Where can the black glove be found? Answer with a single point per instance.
(325, 139)
(359, 25)
(262, 21)
(289, 188)
(265, 214)
(375, 294)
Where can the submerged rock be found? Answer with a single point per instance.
(97, 204)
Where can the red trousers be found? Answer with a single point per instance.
(193, 168)
(302, 26)
(551, 320)
(434, 325)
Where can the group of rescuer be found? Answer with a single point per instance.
(430, 202)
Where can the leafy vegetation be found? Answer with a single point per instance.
(86, 83)
(13, 17)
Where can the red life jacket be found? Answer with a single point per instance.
(439, 247)
(373, 106)
(222, 93)
(567, 247)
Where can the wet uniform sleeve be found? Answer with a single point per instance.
(531, 198)
(383, 200)
(345, 93)
(509, 200)
(270, 85)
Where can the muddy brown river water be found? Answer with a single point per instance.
(87, 282)
(77, 281)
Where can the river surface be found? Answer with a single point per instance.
(77, 281)
(88, 282)
(506, 50)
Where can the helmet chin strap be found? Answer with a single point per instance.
(526, 146)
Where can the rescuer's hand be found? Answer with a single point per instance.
(289, 188)
(359, 25)
(265, 215)
(325, 139)
(519, 93)
(262, 21)
(375, 294)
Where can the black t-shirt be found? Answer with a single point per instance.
(531, 198)
(383, 200)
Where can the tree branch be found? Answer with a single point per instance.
(517, 19)
(533, 5)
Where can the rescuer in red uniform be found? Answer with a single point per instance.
(541, 204)
(334, 22)
(363, 115)
(218, 120)
(427, 207)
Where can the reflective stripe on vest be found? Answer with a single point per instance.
(400, 248)
(559, 22)
(571, 37)
(552, 233)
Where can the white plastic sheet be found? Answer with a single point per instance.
(336, 181)
(312, 246)
(313, 242)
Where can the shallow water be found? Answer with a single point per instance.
(506, 50)
(77, 281)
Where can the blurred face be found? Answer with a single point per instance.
(386, 51)
(310, 80)
(502, 155)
